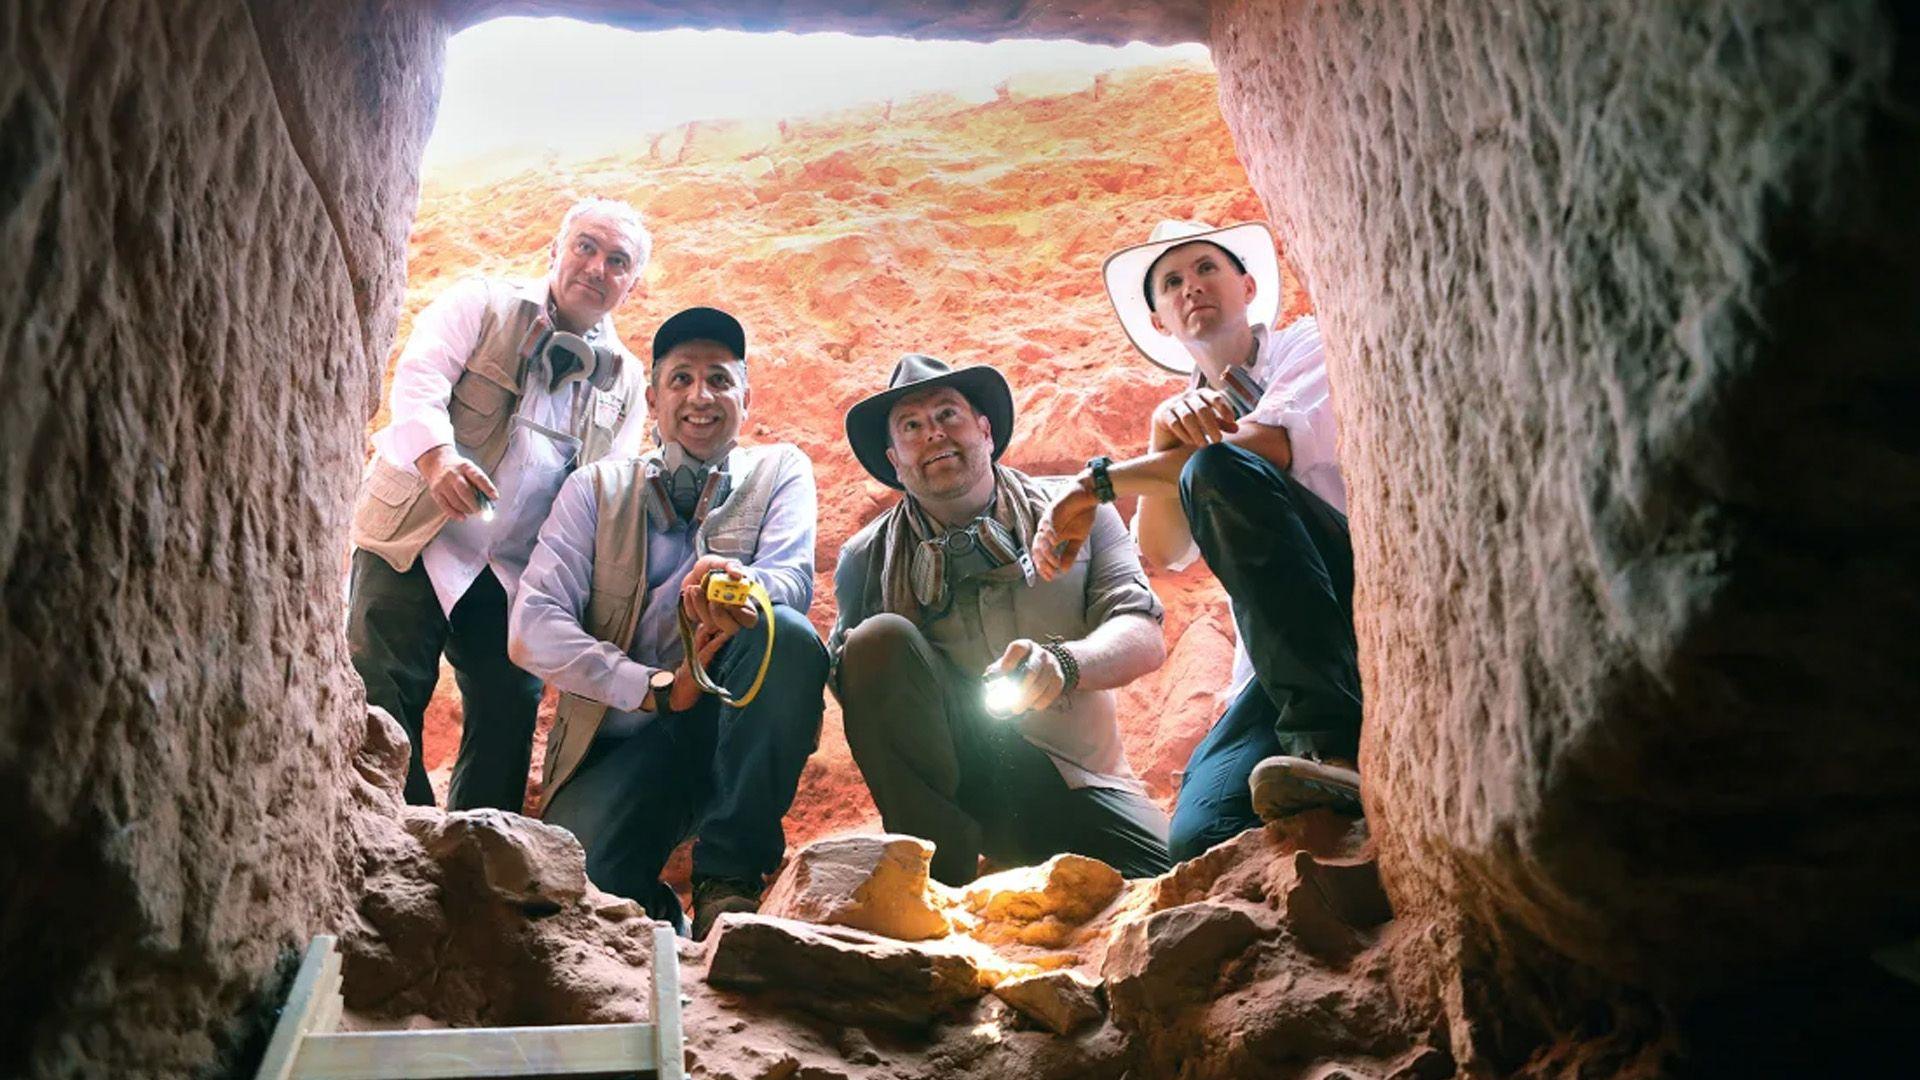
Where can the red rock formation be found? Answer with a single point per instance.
(972, 232)
(1617, 301)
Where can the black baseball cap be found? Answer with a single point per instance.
(700, 324)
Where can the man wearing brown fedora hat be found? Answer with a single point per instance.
(1241, 468)
(979, 698)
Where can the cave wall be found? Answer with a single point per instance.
(1619, 303)
(203, 211)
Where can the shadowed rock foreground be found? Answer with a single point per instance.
(1617, 299)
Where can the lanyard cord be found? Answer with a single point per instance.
(758, 594)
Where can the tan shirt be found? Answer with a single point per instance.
(1081, 731)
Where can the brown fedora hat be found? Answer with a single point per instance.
(981, 384)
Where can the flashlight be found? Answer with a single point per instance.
(1001, 692)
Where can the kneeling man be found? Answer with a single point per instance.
(1242, 469)
(639, 757)
(937, 592)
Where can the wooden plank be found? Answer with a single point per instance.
(560, 1050)
(326, 1014)
(318, 977)
(670, 1049)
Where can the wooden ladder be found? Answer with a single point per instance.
(305, 1045)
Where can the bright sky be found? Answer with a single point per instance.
(536, 86)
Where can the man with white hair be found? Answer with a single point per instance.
(1241, 468)
(505, 387)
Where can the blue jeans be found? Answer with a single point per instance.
(1284, 556)
(722, 775)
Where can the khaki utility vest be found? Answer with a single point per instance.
(617, 590)
(393, 515)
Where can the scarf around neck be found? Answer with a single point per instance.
(914, 578)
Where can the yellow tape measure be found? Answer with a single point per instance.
(722, 589)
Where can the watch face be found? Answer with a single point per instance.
(661, 680)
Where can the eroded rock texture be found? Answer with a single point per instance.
(1619, 297)
(1107, 22)
(1619, 303)
(202, 208)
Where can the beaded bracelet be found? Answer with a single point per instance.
(1069, 667)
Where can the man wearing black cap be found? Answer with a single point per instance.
(978, 699)
(640, 756)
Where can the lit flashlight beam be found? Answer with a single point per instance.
(1001, 692)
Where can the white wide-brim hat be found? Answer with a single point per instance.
(1126, 274)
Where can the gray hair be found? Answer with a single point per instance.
(619, 212)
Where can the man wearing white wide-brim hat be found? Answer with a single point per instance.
(1241, 469)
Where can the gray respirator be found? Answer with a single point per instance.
(571, 358)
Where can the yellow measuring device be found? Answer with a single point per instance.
(722, 589)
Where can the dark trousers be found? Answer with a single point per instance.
(722, 775)
(943, 769)
(396, 633)
(1284, 556)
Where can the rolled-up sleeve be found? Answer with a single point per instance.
(1300, 398)
(546, 632)
(783, 556)
(444, 335)
(1116, 584)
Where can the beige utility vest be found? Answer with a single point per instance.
(393, 515)
(617, 591)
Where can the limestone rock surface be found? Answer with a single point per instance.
(1040, 905)
(1060, 1001)
(872, 883)
(1600, 614)
(846, 975)
(1173, 957)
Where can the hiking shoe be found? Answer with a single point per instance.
(716, 896)
(1284, 786)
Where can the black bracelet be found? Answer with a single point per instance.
(1069, 667)
(1102, 483)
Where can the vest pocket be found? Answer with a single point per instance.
(735, 540)
(609, 604)
(477, 409)
(386, 495)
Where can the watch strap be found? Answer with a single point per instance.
(1102, 482)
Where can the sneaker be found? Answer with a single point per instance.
(1284, 786)
(716, 896)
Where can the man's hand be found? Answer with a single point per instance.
(1195, 418)
(706, 643)
(730, 618)
(1039, 686)
(1064, 528)
(457, 485)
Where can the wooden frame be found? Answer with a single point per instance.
(305, 1046)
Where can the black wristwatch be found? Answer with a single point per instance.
(1102, 483)
(659, 690)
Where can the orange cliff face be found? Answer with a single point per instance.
(974, 233)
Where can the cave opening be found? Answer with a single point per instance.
(853, 199)
(1634, 672)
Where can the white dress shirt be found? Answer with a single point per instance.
(530, 471)
(1291, 364)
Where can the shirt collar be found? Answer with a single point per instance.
(1262, 337)
(534, 290)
